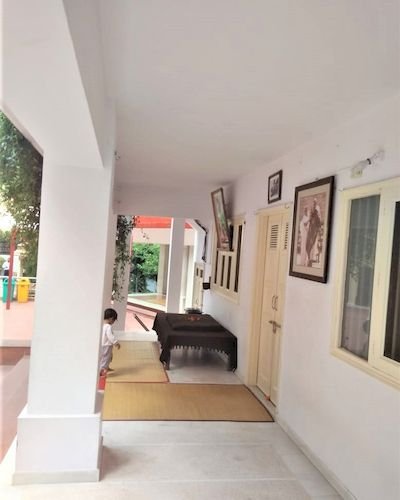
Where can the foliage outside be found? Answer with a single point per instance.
(144, 266)
(20, 189)
(5, 237)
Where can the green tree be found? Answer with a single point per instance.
(144, 265)
(5, 237)
(20, 188)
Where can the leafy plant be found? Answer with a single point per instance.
(20, 188)
(122, 254)
(145, 258)
(5, 237)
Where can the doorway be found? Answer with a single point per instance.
(197, 300)
(269, 299)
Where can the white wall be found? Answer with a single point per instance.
(346, 418)
(87, 43)
(159, 236)
(37, 48)
(164, 202)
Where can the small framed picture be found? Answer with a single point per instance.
(221, 221)
(311, 229)
(275, 187)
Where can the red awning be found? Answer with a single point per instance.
(145, 222)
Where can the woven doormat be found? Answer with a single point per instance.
(136, 361)
(208, 402)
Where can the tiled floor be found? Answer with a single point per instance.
(16, 323)
(190, 460)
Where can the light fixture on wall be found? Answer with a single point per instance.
(358, 169)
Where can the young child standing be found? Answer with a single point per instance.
(108, 341)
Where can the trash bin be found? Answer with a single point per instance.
(5, 288)
(23, 290)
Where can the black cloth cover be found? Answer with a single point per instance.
(217, 339)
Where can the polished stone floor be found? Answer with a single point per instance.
(189, 460)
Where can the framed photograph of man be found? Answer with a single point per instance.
(275, 187)
(312, 217)
(221, 222)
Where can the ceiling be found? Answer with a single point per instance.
(208, 90)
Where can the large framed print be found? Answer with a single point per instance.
(311, 229)
(221, 221)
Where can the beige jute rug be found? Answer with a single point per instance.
(209, 402)
(136, 361)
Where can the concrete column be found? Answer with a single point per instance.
(59, 431)
(175, 265)
(110, 256)
(190, 278)
(121, 304)
(162, 273)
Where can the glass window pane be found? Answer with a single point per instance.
(359, 275)
(392, 337)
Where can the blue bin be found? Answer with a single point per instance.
(5, 288)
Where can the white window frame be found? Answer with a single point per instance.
(220, 283)
(377, 364)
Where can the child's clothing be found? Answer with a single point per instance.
(108, 340)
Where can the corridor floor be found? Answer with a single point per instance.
(189, 460)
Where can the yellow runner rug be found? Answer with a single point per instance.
(209, 402)
(137, 361)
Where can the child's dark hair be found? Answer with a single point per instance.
(110, 314)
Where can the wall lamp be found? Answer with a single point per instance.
(358, 169)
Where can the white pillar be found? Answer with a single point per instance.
(190, 278)
(175, 265)
(121, 304)
(59, 431)
(110, 256)
(162, 273)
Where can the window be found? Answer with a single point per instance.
(367, 325)
(226, 267)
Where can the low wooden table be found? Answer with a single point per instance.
(194, 330)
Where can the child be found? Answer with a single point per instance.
(108, 341)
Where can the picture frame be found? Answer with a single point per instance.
(275, 187)
(311, 228)
(221, 221)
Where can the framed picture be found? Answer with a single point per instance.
(312, 217)
(275, 187)
(221, 222)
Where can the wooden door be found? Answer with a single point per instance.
(275, 271)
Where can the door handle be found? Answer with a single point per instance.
(276, 303)
(274, 324)
(272, 302)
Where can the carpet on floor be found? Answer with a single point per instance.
(136, 361)
(197, 402)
